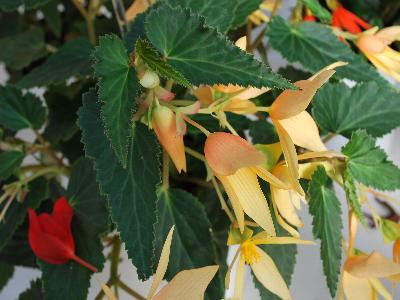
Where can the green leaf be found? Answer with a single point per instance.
(52, 17)
(18, 111)
(16, 212)
(9, 5)
(284, 257)
(368, 163)
(340, 109)
(263, 132)
(72, 59)
(9, 162)
(131, 192)
(243, 10)
(202, 54)
(192, 245)
(118, 87)
(7, 272)
(327, 225)
(153, 60)
(318, 10)
(34, 292)
(19, 50)
(71, 280)
(218, 14)
(353, 200)
(314, 46)
(17, 251)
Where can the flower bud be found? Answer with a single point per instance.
(370, 44)
(150, 80)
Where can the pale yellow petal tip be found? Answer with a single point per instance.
(107, 291)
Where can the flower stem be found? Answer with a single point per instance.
(129, 291)
(195, 124)
(84, 263)
(224, 206)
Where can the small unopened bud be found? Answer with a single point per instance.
(150, 80)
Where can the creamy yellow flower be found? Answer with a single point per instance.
(237, 163)
(294, 124)
(376, 48)
(260, 262)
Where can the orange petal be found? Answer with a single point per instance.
(303, 131)
(290, 102)
(373, 265)
(204, 95)
(370, 44)
(243, 187)
(251, 92)
(164, 124)
(226, 153)
(289, 151)
(137, 7)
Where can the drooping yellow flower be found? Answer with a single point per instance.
(376, 48)
(188, 284)
(236, 99)
(258, 17)
(236, 163)
(361, 273)
(294, 124)
(260, 262)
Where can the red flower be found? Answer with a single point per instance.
(344, 19)
(50, 236)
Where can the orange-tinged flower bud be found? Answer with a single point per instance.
(226, 153)
(164, 124)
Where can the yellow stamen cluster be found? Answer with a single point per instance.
(249, 251)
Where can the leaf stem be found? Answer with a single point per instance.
(129, 291)
(195, 154)
(165, 171)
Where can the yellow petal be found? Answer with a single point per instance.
(188, 284)
(380, 288)
(164, 124)
(226, 153)
(389, 34)
(268, 275)
(263, 239)
(289, 151)
(137, 7)
(306, 170)
(251, 92)
(107, 291)
(239, 277)
(229, 271)
(240, 106)
(284, 204)
(271, 178)
(292, 102)
(233, 197)
(320, 154)
(373, 265)
(283, 223)
(162, 264)
(332, 66)
(357, 288)
(303, 131)
(245, 189)
(242, 43)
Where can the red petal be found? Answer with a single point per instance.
(63, 212)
